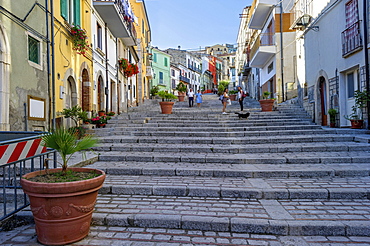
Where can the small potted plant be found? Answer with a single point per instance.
(76, 114)
(62, 199)
(166, 103)
(267, 104)
(153, 91)
(332, 114)
(111, 113)
(181, 89)
(361, 99)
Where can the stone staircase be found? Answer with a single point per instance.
(276, 173)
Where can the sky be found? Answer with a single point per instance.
(192, 24)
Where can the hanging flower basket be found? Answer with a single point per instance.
(127, 68)
(79, 37)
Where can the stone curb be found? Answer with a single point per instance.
(247, 193)
(239, 225)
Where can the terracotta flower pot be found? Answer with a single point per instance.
(357, 124)
(181, 96)
(62, 211)
(232, 97)
(101, 113)
(166, 107)
(267, 105)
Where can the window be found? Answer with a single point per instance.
(33, 50)
(270, 67)
(154, 57)
(173, 83)
(165, 62)
(160, 78)
(350, 85)
(173, 72)
(99, 36)
(70, 11)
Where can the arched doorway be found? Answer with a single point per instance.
(70, 98)
(101, 94)
(322, 107)
(86, 85)
(4, 82)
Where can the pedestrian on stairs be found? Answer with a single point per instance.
(225, 99)
(240, 97)
(198, 98)
(191, 97)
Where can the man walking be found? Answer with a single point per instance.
(191, 97)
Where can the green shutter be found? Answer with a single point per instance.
(77, 12)
(64, 9)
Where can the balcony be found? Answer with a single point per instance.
(149, 72)
(262, 10)
(263, 50)
(184, 79)
(113, 13)
(351, 40)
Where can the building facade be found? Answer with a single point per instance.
(161, 68)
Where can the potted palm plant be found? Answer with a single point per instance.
(232, 95)
(62, 199)
(361, 99)
(267, 104)
(166, 104)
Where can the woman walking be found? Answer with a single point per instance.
(198, 98)
(240, 97)
(225, 100)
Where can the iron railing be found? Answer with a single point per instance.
(351, 39)
(12, 198)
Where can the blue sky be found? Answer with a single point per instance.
(194, 23)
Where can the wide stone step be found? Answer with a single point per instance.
(277, 217)
(330, 188)
(223, 158)
(105, 138)
(235, 149)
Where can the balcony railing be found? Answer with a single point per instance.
(351, 40)
(184, 79)
(263, 39)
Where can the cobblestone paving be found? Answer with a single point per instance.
(133, 236)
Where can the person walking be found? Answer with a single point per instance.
(240, 97)
(191, 97)
(198, 98)
(225, 99)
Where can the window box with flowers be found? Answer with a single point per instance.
(127, 68)
(79, 37)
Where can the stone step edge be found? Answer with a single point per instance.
(238, 173)
(235, 224)
(246, 193)
(229, 159)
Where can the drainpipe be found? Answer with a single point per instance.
(282, 51)
(48, 56)
(53, 124)
(366, 53)
(106, 68)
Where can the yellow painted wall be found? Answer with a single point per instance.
(67, 61)
(143, 34)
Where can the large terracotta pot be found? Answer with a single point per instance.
(232, 97)
(62, 211)
(267, 105)
(357, 124)
(166, 107)
(181, 96)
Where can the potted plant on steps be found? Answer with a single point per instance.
(267, 104)
(166, 104)
(232, 95)
(181, 90)
(332, 113)
(62, 199)
(361, 99)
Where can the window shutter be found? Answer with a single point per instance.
(77, 13)
(64, 9)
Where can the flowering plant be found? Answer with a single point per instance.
(127, 68)
(100, 119)
(80, 43)
(111, 113)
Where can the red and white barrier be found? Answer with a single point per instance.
(20, 150)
